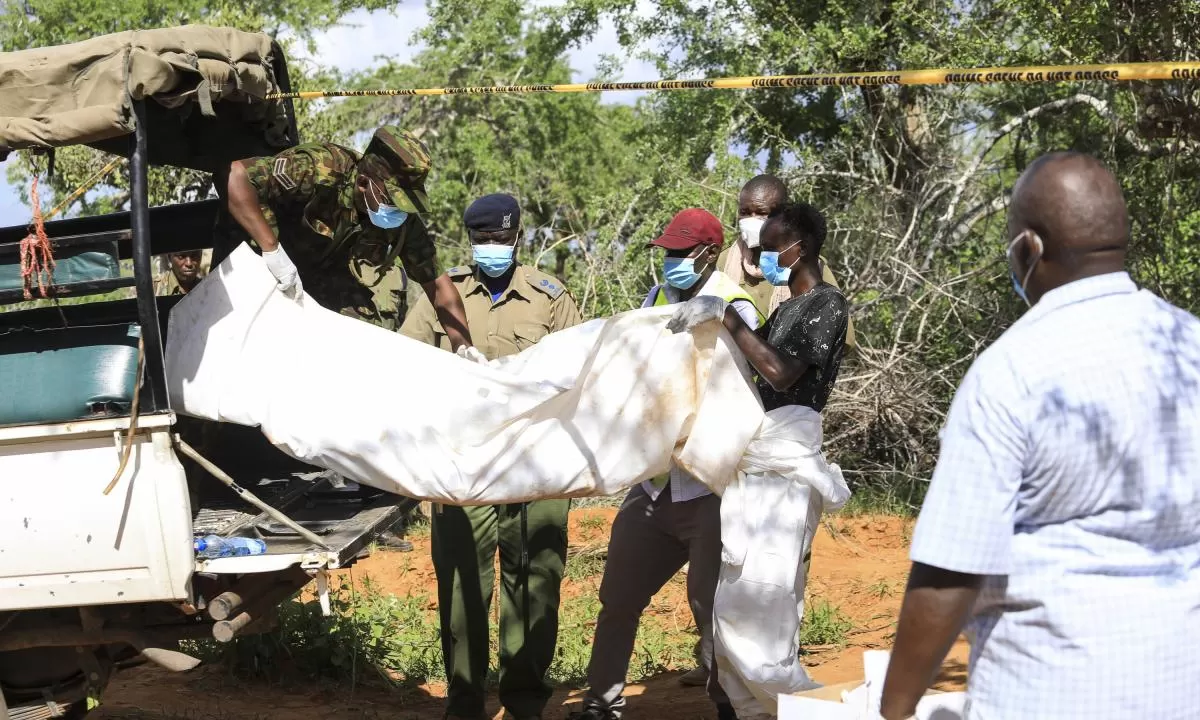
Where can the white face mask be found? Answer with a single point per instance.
(751, 228)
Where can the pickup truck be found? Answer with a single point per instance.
(99, 505)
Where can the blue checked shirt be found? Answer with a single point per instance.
(1069, 477)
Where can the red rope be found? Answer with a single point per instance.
(37, 256)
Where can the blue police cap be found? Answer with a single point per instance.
(493, 213)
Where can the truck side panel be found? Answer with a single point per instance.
(63, 543)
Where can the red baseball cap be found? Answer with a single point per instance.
(691, 227)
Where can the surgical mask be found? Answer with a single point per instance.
(493, 260)
(751, 228)
(768, 262)
(387, 216)
(1020, 285)
(680, 272)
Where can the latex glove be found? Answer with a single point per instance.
(284, 270)
(697, 311)
(472, 353)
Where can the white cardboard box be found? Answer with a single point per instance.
(860, 700)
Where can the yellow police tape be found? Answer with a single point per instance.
(87, 185)
(1031, 74)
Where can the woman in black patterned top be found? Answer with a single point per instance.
(798, 352)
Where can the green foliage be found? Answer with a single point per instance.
(914, 180)
(824, 624)
(371, 637)
(586, 564)
(387, 640)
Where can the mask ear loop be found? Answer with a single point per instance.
(1041, 248)
(376, 195)
(789, 247)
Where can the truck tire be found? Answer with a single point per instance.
(26, 675)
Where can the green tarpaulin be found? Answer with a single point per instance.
(206, 87)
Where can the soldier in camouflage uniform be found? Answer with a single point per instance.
(345, 219)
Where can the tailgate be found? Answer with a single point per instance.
(346, 520)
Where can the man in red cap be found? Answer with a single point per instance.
(670, 521)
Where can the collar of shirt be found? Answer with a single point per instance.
(518, 285)
(1079, 291)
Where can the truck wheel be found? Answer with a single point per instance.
(27, 674)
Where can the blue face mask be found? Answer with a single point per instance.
(387, 216)
(768, 262)
(493, 260)
(680, 272)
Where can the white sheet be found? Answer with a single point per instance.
(590, 410)
(587, 411)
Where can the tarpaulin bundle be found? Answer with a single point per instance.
(587, 411)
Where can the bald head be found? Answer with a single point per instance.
(761, 196)
(1073, 203)
(1068, 221)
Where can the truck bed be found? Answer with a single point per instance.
(346, 520)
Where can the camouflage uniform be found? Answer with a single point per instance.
(346, 264)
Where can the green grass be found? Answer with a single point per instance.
(371, 637)
(586, 565)
(824, 624)
(390, 641)
(881, 589)
(418, 528)
(592, 522)
(898, 495)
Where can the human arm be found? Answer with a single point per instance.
(779, 369)
(803, 336)
(936, 605)
(965, 530)
(246, 209)
(419, 256)
(448, 306)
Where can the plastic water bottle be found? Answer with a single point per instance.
(215, 546)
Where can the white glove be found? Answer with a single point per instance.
(470, 352)
(284, 270)
(697, 311)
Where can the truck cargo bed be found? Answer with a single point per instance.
(346, 520)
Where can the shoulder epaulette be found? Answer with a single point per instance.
(545, 283)
(460, 271)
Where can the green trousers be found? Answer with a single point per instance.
(465, 541)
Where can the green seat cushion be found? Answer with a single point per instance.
(49, 376)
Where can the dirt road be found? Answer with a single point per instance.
(859, 568)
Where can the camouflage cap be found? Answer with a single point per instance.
(401, 162)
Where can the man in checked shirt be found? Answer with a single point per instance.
(1062, 526)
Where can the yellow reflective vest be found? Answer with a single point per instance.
(726, 289)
